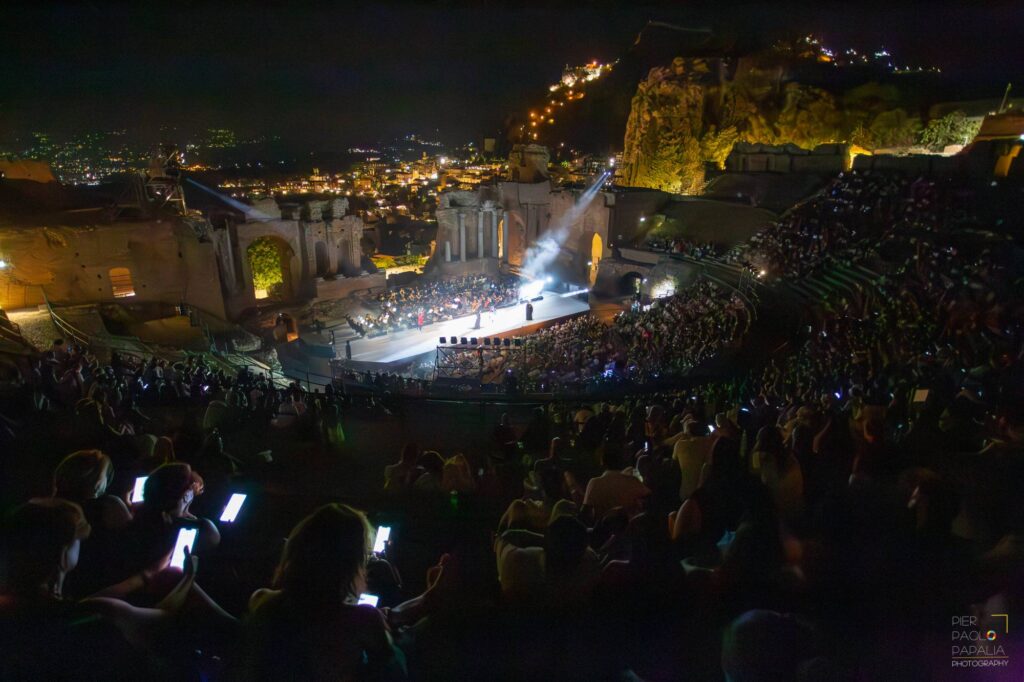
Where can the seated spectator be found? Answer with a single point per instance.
(558, 565)
(780, 471)
(651, 568)
(536, 514)
(764, 646)
(168, 494)
(82, 477)
(613, 488)
(432, 478)
(691, 452)
(46, 636)
(308, 625)
(716, 506)
(399, 477)
(503, 432)
(457, 476)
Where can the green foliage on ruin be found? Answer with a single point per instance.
(953, 128)
(265, 260)
(684, 119)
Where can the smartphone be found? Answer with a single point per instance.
(920, 395)
(380, 542)
(232, 508)
(711, 428)
(139, 491)
(368, 599)
(186, 540)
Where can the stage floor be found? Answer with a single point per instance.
(411, 343)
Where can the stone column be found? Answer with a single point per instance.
(462, 237)
(494, 234)
(479, 234)
(504, 237)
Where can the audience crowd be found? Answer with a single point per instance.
(683, 246)
(820, 516)
(856, 212)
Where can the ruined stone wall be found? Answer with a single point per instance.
(72, 265)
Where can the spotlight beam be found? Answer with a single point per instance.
(544, 252)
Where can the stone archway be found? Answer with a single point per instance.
(322, 258)
(590, 252)
(270, 262)
(630, 283)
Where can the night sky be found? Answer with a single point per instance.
(326, 73)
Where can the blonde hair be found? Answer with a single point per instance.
(325, 556)
(82, 475)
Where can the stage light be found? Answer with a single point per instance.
(487, 341)
(530, 289)
(664, 289)
(473, 341)
(508, 342)
(443, 340)
(464, 342)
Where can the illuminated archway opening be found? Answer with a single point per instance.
(596, 251)
(121, 282)
(269, 261)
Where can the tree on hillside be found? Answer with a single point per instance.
(266, 264)
(953, 128)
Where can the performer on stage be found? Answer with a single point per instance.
(348, 349)
(529, 312)
(476, 325)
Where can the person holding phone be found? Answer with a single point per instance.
(83, 477)
(308, 625)
(44, 635)
(169, 492)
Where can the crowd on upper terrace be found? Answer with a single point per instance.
(683, 246)
(853, 214)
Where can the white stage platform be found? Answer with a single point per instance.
(411, 343)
